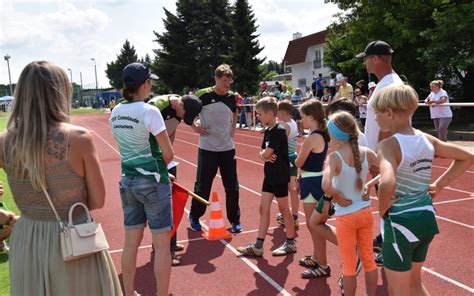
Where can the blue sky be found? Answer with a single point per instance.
(70, 33)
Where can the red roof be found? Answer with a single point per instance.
(296, 50)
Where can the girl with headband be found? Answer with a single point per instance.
(344, 178)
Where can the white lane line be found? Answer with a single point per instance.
(226, 244)
(455, 222)
(269, 279)
(250, 263)
(459, 190)
(448, 279)
(452, 200)
(442, 167)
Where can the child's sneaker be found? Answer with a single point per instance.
(236, 228)
(341, 284)
(194, 224)
(3, 247)
(250, 250)
(308, 261)
(285, 249)
(280, 219)
(316, 272)
(379, 259)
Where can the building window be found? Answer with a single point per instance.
(287, 70)
(302, 83)
(317, 63)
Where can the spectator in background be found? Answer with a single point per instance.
(339, 76)
(337, 95)
(309, 94)
(314, 87)
(263, 86)
(320, 86)
(248, 111)
(361, 102)
(326, 98)
(239, 100)
(346, 90)
(332, 84)
(440, 113)
(372, 86)
(363, 87)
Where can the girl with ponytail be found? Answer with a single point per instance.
(344, 178)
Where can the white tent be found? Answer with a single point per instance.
(6, 99)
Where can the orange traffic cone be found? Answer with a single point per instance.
(217, 230)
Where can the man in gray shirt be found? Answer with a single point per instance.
(216, 147)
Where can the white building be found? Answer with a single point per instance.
(304, 59)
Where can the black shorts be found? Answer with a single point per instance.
(279, 190)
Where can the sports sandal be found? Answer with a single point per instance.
(316, 272)
(250, 250)
(308, 261)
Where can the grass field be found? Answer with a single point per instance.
(8, 201)
(85, 111)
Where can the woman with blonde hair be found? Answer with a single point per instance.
(41, 149)
(440, 113)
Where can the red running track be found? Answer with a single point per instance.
(213, 268)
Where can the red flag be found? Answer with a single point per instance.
(179, 197)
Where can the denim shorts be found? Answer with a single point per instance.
(144, 200)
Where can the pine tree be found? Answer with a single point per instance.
(196, 40)
(114, 69)
(245, 48)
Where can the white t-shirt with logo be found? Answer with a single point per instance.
(372, 128)
(440, 111)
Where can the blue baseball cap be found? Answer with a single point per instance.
(135, 74)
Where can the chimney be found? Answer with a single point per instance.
(296, 35)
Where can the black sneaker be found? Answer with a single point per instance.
(379, 259)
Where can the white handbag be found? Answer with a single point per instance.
(79, 240)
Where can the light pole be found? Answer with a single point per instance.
(70, 73)
(7, 58)
(96, 84)
(95, 71)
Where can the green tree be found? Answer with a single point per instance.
(399, 22)
(174, 61)
(196, 40)
(114, 69)
(245, 48)
(450, 53)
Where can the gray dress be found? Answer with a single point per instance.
(36, 263)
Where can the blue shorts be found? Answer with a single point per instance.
(145, 200)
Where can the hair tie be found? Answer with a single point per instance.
(336, 132)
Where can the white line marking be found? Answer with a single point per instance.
(452, 200)
(442, 167)
(459, 190)
(250, 264)
(455, 222)
(448, 279)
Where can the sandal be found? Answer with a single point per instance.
(308, 261)
(316, 272)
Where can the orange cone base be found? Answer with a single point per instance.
(217, 234)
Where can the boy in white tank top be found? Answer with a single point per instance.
(406, 190)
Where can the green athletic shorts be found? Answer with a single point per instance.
(398, 251)
(293, 168)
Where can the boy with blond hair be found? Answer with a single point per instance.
(406, 188)
(274, 152)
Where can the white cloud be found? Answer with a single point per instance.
(71, 32)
